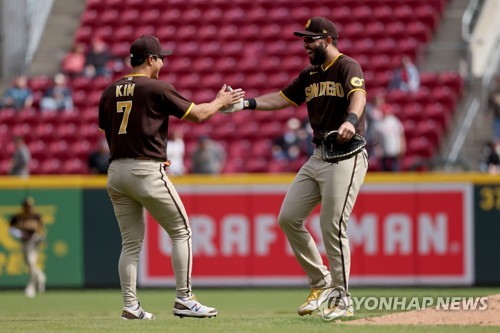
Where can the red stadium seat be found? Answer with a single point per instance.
(452, 80)
(403, 12)
(40, 83)
(430, 129)
(429, 80)
(419, 31)
(50, 166)
(427, 14)
(74, 166)
(437, 112)
(110, 17)
(446, 96)
(234, 165)
(382, 13)
(413, 111)
(421, 147)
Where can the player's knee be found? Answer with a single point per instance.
(285, 220)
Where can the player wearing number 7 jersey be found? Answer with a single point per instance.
(134, 113)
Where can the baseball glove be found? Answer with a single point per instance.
(333, 152)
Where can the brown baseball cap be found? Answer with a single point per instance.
(147, 45)
(318, 27)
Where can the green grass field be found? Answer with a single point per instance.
(240, 310)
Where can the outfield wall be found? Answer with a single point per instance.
(406, 229)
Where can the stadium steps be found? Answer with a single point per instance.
(58, 36)
(447, 51)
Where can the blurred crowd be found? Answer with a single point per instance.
(385, 132)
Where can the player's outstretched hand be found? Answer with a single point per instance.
(238, 106)
(230, 97)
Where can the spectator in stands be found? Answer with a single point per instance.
(73, 63)
(277, 153)
(290, 142)
(18, 96)
(96, 59)
(98, 160)
(406, 77)
(58, 97)
(374, 114)
(296, 141)
(490, 160)
(389, 132)
(19, 165)
(208, 157)
(494, 104)
(175, 154)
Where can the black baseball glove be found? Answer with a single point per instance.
(333, 151)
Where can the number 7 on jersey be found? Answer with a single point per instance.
(125, 107)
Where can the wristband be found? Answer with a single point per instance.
(352, 118)
(249, 103)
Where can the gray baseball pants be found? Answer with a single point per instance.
(134, 185)
(334, 186)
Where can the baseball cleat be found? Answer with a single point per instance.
(336, 312)
(315, 299)
(41, 283)
(190, 307)
(30, 291)
(129, 314)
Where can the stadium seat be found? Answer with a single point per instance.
(421, 146)
(426, 14)
(234, 165)
(50, 166)
(244, 36)
(430, 129)
(437, 112)
(256, 165)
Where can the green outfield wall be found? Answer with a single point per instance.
(83, 242)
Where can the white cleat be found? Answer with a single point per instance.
(129, 314)
(314, 300)
(190, 307)
(30, 291)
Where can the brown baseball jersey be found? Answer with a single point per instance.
(134, 111)
(327, 93)
(29, 224)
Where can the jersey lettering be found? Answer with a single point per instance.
(326, 88)
(124, 107)
(125, 90)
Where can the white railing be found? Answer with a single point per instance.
(22, 25)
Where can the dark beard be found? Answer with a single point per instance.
(319, 56)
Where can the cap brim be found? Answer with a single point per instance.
(166, 52)
(306, 34)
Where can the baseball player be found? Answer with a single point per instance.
(134, 112)
(28, 227)
(333, 88)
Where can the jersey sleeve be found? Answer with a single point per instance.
(295, 91)
(179, 106)
(354, 78)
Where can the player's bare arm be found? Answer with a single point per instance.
(268, 102)
(271, 102)
(224, 99)
(356, 106)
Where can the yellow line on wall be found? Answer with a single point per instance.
(244, 179)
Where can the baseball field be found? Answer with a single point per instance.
(250, 310)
